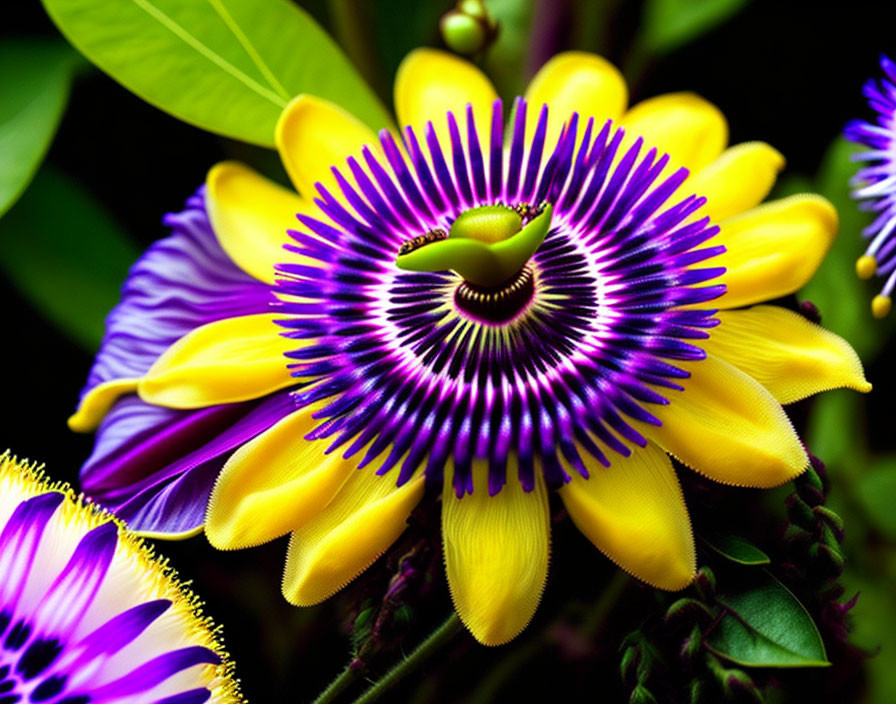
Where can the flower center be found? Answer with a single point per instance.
(488, 246)
(516, 303)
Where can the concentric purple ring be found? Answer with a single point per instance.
(410, 379)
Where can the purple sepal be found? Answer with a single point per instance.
(175, 506)
(159, 480)
(136, 439)
(182, 281)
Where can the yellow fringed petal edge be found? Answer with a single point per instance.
(359, 524)
(496, 553)
(634, 512)
(229, 360)
(790, 356)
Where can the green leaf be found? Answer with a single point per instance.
(669, 24)
(736, 549)
(35, 78)
(228, 66)
(765, 626)
(65, 255)
(877, 493)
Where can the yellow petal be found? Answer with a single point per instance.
(784, 352)
(97, 402)
(273, 484)
(250, 216)
(634, 512)
(313, 135)
(691, 130)
(575, 82)
(735, 182)
(360, 523)
(774, 249)
(429, 83)
(235, 359)
(496, 554)
(728, 427)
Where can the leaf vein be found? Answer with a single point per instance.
(208, 53)
(248, 47)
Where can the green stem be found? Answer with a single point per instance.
(607, 601)
(343, 681)
(438, 638)
(491, 686)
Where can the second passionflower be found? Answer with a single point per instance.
(558, 298)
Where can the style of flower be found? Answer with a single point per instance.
(493, 308)
(876, 183)
(88, 614)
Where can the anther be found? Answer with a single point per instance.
(423, 240)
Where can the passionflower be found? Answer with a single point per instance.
(88, 614)
(491, 305)
(876, 183)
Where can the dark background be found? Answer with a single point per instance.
(786, 73)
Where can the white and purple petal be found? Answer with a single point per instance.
(875, 182)
(87, 613)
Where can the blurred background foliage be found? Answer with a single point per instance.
(87, 169)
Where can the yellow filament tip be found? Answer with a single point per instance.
(880, 306)
(866, 266)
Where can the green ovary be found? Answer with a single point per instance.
(487, 246)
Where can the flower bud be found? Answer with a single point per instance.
(691, 645)
(825, 561)
(705, 583)
(468, 29)
(642, 695)
(810, 312)
(800, 514)
(686, 608)
(737, 683)
(628, 666)
(831, 519)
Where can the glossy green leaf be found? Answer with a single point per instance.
(228, 66)
(669, 24)
(35, 77)
(765, 626)
(877, 493)
(736, 549)
(65, 255)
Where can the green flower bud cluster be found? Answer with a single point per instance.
(387, 614)
(669, 662)
(814, 533)
(468, 29)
